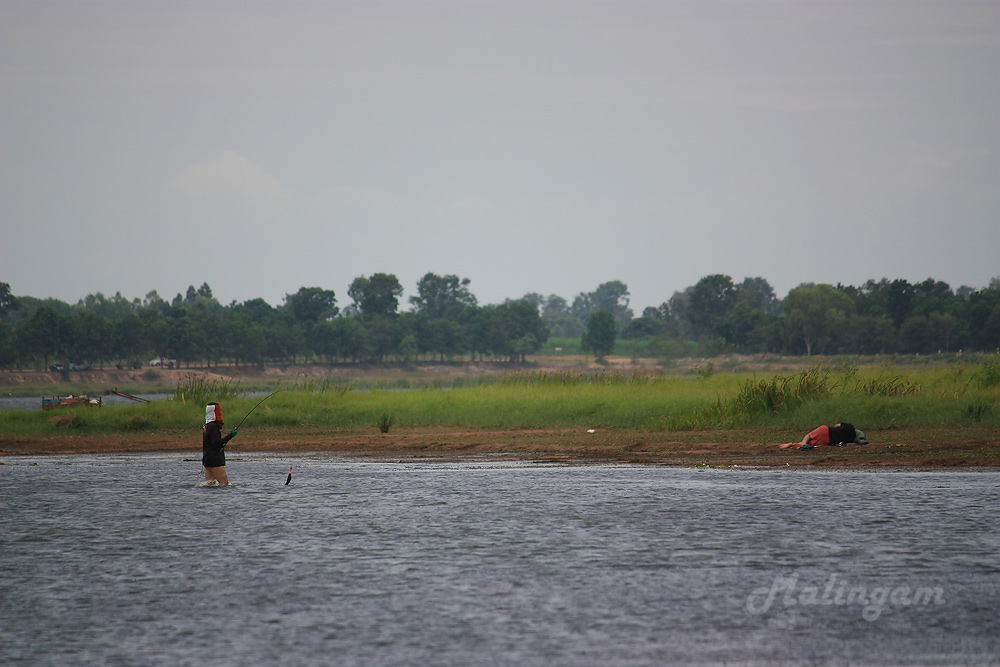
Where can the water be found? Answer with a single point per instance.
(32, 403)
(126, 560)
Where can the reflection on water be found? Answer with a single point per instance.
(126, 560)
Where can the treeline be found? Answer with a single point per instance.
(445, 321)
(879, 317)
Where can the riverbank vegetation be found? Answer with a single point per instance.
(877, 399)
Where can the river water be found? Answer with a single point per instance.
(117, 560)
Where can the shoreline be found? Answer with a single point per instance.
(938, 450)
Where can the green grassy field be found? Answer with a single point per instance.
(959, 394)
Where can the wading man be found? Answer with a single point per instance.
(212, 441)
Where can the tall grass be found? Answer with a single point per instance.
(200, 389)
(872, 399)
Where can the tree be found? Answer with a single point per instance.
(611, 296)
(442, 296)
(649, 324)
(711, 300)
(129, 338)
(600, 335)
(92, 336)
(899, 300)
(916, 335)
(8, 301)
(311, 304)
(759, 293)
(816, 314)
(44, 335)
(526, 332)
(560, 321)
(376, 296)
(153, 301)
(445, 337)
(8, 350)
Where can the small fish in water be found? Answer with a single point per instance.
(289, 480)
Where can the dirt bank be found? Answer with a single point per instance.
(707, 448)
(157, 378)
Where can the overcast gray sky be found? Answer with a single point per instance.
(528, 146)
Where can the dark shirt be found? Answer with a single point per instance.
(212, 441)
(843, 432)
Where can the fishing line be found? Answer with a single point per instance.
(254, 408)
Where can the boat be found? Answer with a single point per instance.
(71, 401)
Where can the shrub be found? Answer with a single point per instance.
(978, 410)
(384, 422)
(988, 374)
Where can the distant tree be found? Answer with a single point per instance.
(600, 335)
(154, 302)
(442, 296)
(816, 315)
(311, 304)
(561, 322)
(184, 340)
(376, 296)
(257, 311)
(984, 319)
(748, 322)
(711, 301)
(916, 335)
(676, 312)
(526, 332)
(554, 305)
(8, 302)
(899, 300)
(247, 340)
(871, 334)
(92, 335)
(612, 296)
(650, 323)
(44, 335)
(8, 350)
(129, 338)
(943, 327)
(535, 299)
(758, 294)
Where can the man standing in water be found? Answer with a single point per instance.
(212, 441)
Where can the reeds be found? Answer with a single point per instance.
(384, 422)
(880, 398)
(200, 389)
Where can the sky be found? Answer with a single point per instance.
(262, 146)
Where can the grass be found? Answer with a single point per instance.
(873, 398)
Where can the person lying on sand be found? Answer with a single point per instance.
(838, 434)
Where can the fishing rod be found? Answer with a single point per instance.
(236, 428)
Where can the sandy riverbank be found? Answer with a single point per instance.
(941, 449)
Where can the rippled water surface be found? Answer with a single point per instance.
(127, 560)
